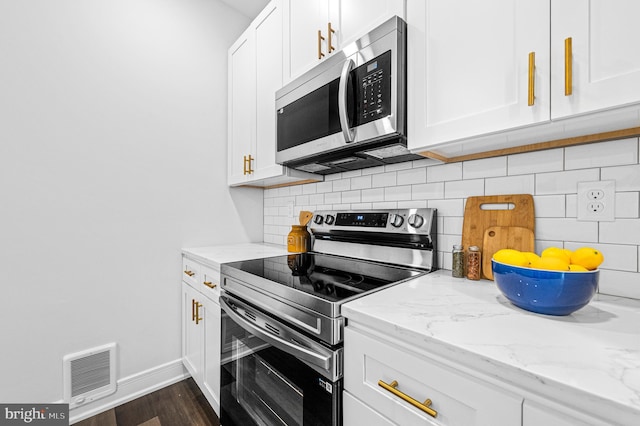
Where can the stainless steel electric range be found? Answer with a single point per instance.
(282, 328)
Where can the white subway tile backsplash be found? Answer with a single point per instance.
(622, 231)
(627, 205)
(549, 205)
(412, 176)
(463, 188)
(444, 172)
(428, 191)
(384, 179)
(361, 182)
(523, 184)
(551, 176)
(341, 185)
(550, 160)
(486, 167)
(397, 193)
(627, 177)
(563, 182)
(566, 230)
(373, 195)
(603, 154)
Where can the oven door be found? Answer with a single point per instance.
(274, 375)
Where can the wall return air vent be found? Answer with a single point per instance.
(89, 375)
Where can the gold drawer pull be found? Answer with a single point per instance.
(320, 40)
(209, 284)
(532, 79)
(424, 406)
(330, 31)
(198, 318)
(190, 273)
(568, 67)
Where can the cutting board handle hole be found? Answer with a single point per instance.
(497, 206)
(492, 233)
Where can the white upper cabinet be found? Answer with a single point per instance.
(319, 28)
(605, 58)
(256, 66)
(475, 67)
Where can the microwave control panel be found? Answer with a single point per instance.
(373, 84)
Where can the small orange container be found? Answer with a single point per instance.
(299, 239)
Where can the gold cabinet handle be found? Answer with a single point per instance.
(244, 165)
(193, 309)
(190, 273)
(209, 284)
(424, 406)
(532, 78)
(247, 170)
(568, 67)
(320, 39)
(330, 31)
(197, 318)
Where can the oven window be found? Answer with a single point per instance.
(263, 385)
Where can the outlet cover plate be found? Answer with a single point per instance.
(596, 201)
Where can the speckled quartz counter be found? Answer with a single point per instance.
(216, 255)
(590, 359)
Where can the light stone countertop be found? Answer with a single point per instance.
(589, 359)
(214, 256)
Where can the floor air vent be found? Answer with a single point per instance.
(89, 375)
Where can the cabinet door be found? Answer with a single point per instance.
(306, 18)
(469, 67)
(357, 17)
(534, 414)
(605, 61)
(211, 355)
(269, 71)
(241, 106)
(192, 334)
(356, 413)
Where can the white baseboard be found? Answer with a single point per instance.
(132, 387)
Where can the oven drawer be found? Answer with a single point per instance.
(457, 399)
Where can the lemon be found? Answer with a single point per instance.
(550, 263)
(511, 257)
(531, 256)
(577, 268)
(556, 252)
(588, 257)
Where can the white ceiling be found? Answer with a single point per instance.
(249, 8)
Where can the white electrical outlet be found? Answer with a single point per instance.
(597, 201)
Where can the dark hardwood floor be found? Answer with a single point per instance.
(181, 404)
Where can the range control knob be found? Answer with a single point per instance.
(318, 219)
(415, 220)
(396, 220)
(329, 219)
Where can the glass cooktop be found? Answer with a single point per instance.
(333, 278)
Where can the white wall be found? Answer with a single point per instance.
(551, 176)
(112, 158)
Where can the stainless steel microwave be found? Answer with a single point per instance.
(349, 111)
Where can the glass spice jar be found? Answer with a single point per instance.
(473, 263)
(457, 264)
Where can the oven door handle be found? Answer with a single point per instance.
(293, 348)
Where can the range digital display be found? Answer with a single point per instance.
(369, 220)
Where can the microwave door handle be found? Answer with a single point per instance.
(323, 361)
(342, 100)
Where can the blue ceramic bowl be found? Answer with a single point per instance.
(545, 292)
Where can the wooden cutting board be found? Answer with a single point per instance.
(501, 237)
(483, 212)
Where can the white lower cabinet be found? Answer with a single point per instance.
(201, 329)
(457, 399)
(538, 414)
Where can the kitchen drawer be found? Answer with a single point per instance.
(458, 399)
(209, 282)
(191, 271)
